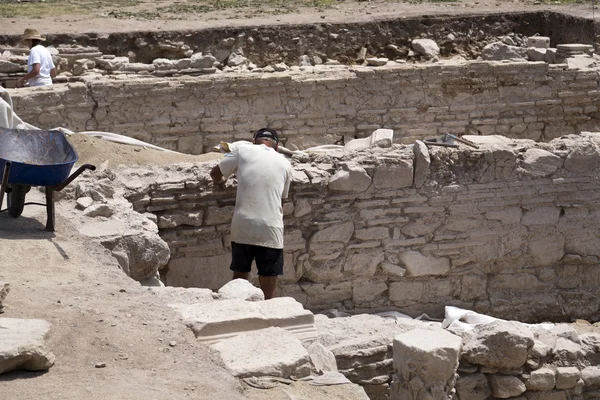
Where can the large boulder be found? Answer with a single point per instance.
(266, 352)
(500, 344)
(498, 51)
(22, 345)
(426, 47)
(140, 255)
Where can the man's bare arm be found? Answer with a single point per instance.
(217, 175)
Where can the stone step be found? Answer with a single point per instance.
(219, 320)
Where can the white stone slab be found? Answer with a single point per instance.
(220, 320)
(22, 345)
(265, 352)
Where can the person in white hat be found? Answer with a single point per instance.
(40, 68)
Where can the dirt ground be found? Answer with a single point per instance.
(92, 150)
(98, 315)
(101, 21)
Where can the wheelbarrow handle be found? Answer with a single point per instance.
(58, 188)
(4, 181)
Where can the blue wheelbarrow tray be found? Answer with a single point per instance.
(37, 158)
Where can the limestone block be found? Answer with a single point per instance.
(539, 350)
(136, 67)
(500, 344)
(84, 202)
(591, 376)
(4, 289)
(420, 228)
(322, 358)
(182, 63)
(241, 289)
(540, 163)
(425, 47)
(394, 176)
(473, 387)
(163, 64)
(302, 208)
(363, 264)
(219, 215)
(536, 54)
(541, 216)
(419, 265)
(23, 345)
(358, 144)
(146, 253)
(375, 233)
(505, 386)
(199, 60)
(9, 67)
(538, 42)
(236, 59)
(382, 138)
(377, 62)
(568, 351)
(509, 215)
(583, 157)
(541, 379)
(207, 272)
(406, 292)
(499, 51)
(248, 355)
(547, 250)
(393, 269)
(320, 294)
(336, 233)
(216, 321)
(425, 362)
(550, 56)
(175, 218)
(567, 377)
(422, 163)
(325, 250)
(352, 178)
(580, 61)
(171, 294)
(365, 292)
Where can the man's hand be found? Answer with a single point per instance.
(217, 176)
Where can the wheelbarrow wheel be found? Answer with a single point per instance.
(16, 199)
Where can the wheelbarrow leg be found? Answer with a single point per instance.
(50, 209)
(4, 182)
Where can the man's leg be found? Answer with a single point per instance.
(241, 275)
(270, 265)
(268, 284)
(241, 260)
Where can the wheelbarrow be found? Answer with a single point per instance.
(35, 158)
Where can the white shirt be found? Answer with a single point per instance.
(40, 55)
(264, 178)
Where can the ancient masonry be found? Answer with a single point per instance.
(325, 104)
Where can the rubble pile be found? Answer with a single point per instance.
(76, 61)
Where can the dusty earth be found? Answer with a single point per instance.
(92, 150)
(345, 11)
(99, 315)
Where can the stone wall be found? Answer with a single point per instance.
(509, 229)
(323, 104)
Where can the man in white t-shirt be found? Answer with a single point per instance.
(40, 68)
(264, 178)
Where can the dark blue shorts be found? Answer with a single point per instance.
(268, 261)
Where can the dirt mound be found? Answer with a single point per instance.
(92, 150)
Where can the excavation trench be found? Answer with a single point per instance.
(507, 229)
